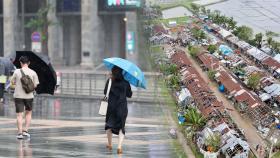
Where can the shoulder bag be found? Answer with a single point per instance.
(104, 102)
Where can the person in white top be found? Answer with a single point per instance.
(23, 100)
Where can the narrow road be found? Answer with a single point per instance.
(249, 130)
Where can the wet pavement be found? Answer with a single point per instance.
(72, 128)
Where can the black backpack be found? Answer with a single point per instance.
(27, 83)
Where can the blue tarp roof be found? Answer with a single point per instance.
(225, 50)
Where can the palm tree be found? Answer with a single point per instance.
(269, 41)
(194, 119)
(254, 81)
(258, 40)
(208, 12)
(224, 20)
(195, 8)
(275, 46)
(203, 10)
(231, 23)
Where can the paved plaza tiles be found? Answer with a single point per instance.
(72, 128)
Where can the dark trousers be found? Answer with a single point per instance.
(2, 88)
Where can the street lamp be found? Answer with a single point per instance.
(273, 141)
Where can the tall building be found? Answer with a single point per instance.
(73, 32)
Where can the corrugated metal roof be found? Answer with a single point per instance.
(257, 54)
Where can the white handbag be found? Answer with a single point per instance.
(104, 102)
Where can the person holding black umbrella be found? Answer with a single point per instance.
(23, 98)
(117, 107)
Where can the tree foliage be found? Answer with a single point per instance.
(269, 41)
(194, 51)
(40, 23)
(194, 119)
(212, 48)
(258, 39)
(211, 74)
(244, 32)
(173, 81)
(198, 34)
(203, 10)
(275, 46)
(195, 8)
(169, 69)
(271, 34)
(254, 81)
(228, 23)
(208, 12)
(231, 24)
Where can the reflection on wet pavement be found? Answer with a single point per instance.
(72, 128)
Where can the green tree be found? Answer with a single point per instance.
(194, 51)
(211, 16)
(195, 8)
(212, 48)
(238, 70)
(223, 20)
(194, 119)
(203, 10)
(213, 142)
(254, 81)
(202, 35)
(208, 12)
(40, 23)
(231, 24)
(258, 40)
(169, 69)
(275, 46)
(269, 41)
(198, 34)
(173, 81)
(271, 34)
(211, 74)
(244, 32)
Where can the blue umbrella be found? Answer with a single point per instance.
(131, 72)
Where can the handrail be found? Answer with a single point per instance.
(92, 84)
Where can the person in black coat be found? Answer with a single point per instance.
(117, 107)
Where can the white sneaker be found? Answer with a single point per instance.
(19, 136)
(26, 134)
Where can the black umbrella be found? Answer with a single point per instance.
(41, 65)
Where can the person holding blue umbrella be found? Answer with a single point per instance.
(117, 106)
(124, 73)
